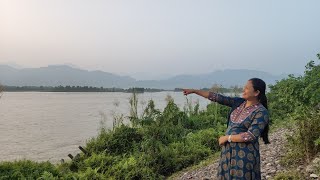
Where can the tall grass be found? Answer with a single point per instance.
(133, 101)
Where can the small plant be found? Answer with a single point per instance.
(118, 118)
(191, 109)
(289, 175)
(133, 101)
(46, 176)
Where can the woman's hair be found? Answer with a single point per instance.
(260, 85)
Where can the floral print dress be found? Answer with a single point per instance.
(241, 160)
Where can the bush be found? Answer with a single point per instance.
(131, 167)
(208, 137)
(178, 155)
(296, 100)
(102, 162)
(119, 141)
(26, 169)
(91, 174)
(214, 116)
(289, 94)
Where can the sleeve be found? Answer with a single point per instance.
(224, 100)
(260, 121)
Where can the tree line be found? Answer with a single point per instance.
(236, 90)
(76, 89)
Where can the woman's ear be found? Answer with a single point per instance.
(257, 93)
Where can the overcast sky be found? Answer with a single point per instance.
(161, 37)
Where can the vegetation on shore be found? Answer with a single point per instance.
(295, 103)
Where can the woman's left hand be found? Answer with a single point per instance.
(222, 140)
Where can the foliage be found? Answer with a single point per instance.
(26, 169)
(179, 155)
(150, 113)
(119, 141)
(287, 95)
(207, 137)
(296, 100)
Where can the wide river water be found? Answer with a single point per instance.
(45, 126)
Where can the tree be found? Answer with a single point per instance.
(1, 90)
(236, 90)
(216, 88)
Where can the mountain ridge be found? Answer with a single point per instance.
(55, 75)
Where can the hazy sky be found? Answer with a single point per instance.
(161, 36)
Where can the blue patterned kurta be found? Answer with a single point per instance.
(242, 160)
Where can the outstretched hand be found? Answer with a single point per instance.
(187, 91)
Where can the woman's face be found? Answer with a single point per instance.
(248, 92)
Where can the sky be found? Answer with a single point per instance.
(158, 38)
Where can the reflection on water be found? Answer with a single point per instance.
(48, 126)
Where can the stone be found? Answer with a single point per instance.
(309, 169)
(273, 171)
(269, 164)
(316, 161)
(300, 168)
(314, 176)
(278, 166)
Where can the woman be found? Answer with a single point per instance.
(248, 120)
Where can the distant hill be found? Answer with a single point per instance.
(226, 78)
(64, 75)
(56, 75)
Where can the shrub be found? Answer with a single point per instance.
(296, 100)
(131, 167)
(119, 141)
(178, 155)
(207, 137)
(26, 169)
